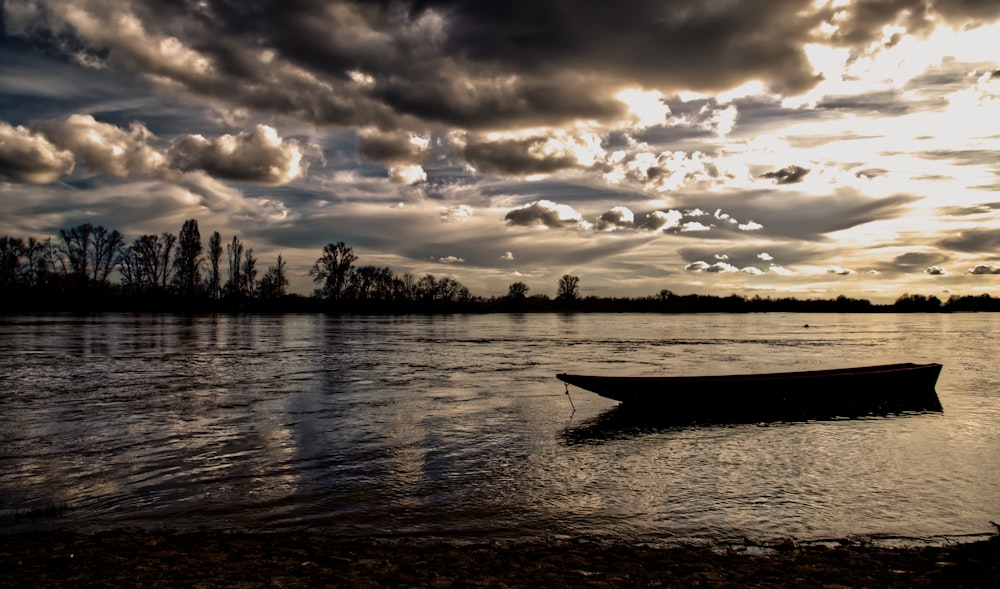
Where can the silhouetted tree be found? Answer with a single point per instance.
(444, 290)
(371, 283)
(188, 259)
(11, 251)
(517, 291)
(332, 269)
(105, 248)
(248, 275)
(215, 260)
(234, 286)
(38, 262)
(145, 264)
(72, 251)
(169, 240)
(916, 302)
(405, 288)
(274, 282)
(568, 289)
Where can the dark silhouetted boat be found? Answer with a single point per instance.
(814, 394)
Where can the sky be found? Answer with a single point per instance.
(802, 148)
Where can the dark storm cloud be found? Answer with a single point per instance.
(459, 63)
(803, 216)
(974, 240)
(914, 262)
(258, 156)
(391, 146)
(516, 157)
(787, 175)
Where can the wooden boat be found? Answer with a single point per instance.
(815, 394)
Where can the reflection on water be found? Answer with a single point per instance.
(623, 423)
(457, 426)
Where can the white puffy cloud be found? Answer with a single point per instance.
(717, 267)
(105, 148)
(936, 271)
(456, 213)
(51, 149)
(451, 260)
(545, 213)
(408, 174)
(662, 220)
(29, 157)
(985, 269)
(616, 218)
(258, 156)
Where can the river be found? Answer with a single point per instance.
(455, 426)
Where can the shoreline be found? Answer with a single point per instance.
(212, 558)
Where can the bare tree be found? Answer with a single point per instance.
(38, 255)
(234, 250)
(169, 241)
(332, 269)
(188, 259)
(105, 249)
(11, 251)
(372, 283)
(145, 264)
(274, 282)
(88, 253)
(517, 291)
(568, 289)
(73, 251)
(214, 260)
(249, 284)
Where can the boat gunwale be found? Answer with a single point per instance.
(764, 376)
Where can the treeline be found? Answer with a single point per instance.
(91, 268)
(177, 272)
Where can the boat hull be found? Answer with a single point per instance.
(818, 394)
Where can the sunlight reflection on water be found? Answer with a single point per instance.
(456, 426)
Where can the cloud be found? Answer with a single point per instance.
(936, 271)
(50, 150)
(507, 256)
(259, 156)
(457, 213)
(545, 213)
(105, 148)
(535, 155)
(974, 240)
(451, 260)
(787, 175)
(660, 220)
(616, 218)
(839, 270)
(694, 226)
(985, 269)
(29, 157)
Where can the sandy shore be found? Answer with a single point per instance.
(217, 559)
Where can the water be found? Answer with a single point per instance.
(455, 426)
